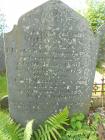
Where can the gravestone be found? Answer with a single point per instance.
(2, 56)
(101, 53)
(50, 57)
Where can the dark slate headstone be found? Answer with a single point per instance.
(50, 58)
(101, 53)
(2, 56)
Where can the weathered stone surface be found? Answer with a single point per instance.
(101, 53)
(52, 53)
(2, 56)
(4, 102)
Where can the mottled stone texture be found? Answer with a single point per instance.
(101, 54)
(2, 56)
(51, 58)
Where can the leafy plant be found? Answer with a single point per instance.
(76, 121)
(95, 13)
(8, 129)
(80, 129)
(28, 130)
(50, 128)
(56, 127)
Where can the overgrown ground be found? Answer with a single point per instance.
(3, 85)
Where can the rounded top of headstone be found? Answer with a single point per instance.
(53, 10)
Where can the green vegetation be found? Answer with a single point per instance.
(50, 128)
(95, 13)
(28, 130)
(100, 70)
(56, 127)
(3, 85)
(80, 129)
(8, 129)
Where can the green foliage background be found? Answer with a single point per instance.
(57, 127)
(95, 13)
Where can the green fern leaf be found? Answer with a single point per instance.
(57, 133)
(47, 132)
(53, 135)
(36, 135)
(50, 128)
(8, 129)
(43, 132)
(28, 130)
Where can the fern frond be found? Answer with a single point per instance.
(47, 132)
(51, 127)
(28, 130)
(8, 129)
